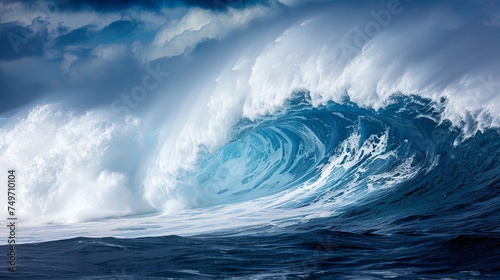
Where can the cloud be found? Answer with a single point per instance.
(120, 5)
(120, 31)
(68, 60)
(19, 41)
(94, 51)
(199, 25)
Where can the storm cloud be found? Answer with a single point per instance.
(93, 51)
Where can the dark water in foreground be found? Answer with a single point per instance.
(306, 254)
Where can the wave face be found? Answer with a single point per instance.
(311, 156)
(322, 191)
(296, 160)
(306, 162)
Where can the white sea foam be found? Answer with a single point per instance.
(72, 167)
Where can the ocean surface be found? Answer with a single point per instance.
(286, 158)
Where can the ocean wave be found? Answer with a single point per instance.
(301, 125)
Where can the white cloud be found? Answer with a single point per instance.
(199, 25)
(110, 52)
(68, 60)
(96, 65)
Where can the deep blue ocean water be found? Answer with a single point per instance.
(302, 253)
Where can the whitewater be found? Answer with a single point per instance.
(370, 129)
